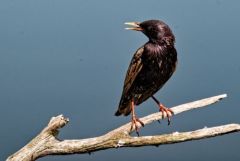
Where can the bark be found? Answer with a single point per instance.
(47, 143)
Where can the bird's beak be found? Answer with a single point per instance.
(134, 26)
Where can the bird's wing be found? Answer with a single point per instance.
(133, 70)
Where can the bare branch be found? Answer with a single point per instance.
(46, 143)
(177, 109)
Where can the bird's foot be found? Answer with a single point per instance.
(136, 123)
(166, 112)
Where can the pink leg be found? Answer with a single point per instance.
(135, 119)
(164, 110)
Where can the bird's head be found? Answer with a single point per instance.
(155, 30)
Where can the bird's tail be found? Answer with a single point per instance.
(118, 113)
(124, 110)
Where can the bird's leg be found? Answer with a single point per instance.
(164, 110)
(135, 119)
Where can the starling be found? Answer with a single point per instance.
(150, 68)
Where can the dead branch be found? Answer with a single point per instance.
(46, 143)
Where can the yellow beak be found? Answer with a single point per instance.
(135, 26)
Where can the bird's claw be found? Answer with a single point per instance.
(166, 112)
(134, 124)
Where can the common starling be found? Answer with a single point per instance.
(150, 68)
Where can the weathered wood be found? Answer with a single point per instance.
(46, 143)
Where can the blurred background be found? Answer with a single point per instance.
(70, 57)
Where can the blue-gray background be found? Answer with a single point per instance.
(70, 57)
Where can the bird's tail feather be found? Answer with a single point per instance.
(125, 110)
(118, 113)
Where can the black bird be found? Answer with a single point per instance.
(150, 68)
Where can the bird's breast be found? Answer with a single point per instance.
(159, 63)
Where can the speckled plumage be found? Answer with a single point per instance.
(151, 66)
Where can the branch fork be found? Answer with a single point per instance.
(47, 143)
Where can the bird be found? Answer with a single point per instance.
(150, 68)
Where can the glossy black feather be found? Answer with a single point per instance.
(151, 66)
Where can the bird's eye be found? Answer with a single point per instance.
(150, 28)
